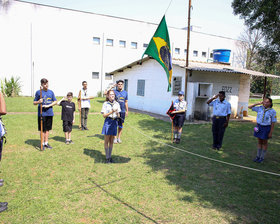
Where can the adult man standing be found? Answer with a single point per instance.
(48, 100)
(122, 99)
(85, 105)
(221, 114)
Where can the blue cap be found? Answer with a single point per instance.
(181, 93)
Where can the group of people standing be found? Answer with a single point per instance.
(114, 110)
(266, 118)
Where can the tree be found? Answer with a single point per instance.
(262, 15)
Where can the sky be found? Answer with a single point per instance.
(207, 16)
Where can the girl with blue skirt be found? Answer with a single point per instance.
(110, 110)
(266, 118)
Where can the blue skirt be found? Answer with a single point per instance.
(110, 127)
(262, 132)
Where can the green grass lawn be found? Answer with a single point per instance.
(149, 183)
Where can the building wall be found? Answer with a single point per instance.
(244, 94)
(38, 41)
(227, 82)
(158, 100)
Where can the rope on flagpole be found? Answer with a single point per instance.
(168, 6)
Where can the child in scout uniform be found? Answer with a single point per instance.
(67, 116)
(180, 115)
(266, 118)
(221, 115)
(110, 110)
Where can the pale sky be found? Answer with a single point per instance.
(208, 16)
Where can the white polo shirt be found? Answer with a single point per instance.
(85, 103)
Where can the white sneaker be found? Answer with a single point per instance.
(119, 140)
(115, 141)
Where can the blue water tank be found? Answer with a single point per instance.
(221, 55)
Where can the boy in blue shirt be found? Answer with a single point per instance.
(266, 118)
(48, 100)
(122, 99)
(221, 115)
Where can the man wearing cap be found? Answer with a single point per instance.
(122, 99)
(180, 106)
(221, 114)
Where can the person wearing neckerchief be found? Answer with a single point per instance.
(110, 110)
(220, 119)
(180, 106)
(122, 99)
(266, 118)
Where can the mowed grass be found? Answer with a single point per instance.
(150, 182)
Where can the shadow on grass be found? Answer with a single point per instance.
(34, 142)
(100, 158)
(226, 188)
(75, 127)
(58, 138)
(97, 135)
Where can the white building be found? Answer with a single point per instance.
(146, 84)
(69, 46)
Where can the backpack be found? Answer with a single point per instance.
(3, 131)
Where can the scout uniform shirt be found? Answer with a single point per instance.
(265, 116)
(108, 106)
(180, 105)
(220, 108)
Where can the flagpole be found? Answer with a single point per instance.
(188, 48)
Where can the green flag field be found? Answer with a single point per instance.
(151, 181)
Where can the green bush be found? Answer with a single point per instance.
(12, 87)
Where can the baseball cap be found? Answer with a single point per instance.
(181, 93)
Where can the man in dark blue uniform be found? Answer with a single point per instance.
(221, 114)
(122, 99)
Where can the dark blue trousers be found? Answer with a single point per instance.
(218, 130)
(1, 147)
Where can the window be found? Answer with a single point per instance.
(96, 40)
(126, 85)
(185, 51)
(134, 45)
(108, 76)
(95, 75)
(140, 88)
(211, 55)
(177, 85)
(109, 42)
(177, 50)
(145, 45)
(122, 43)
(203, 54)
(195, 53)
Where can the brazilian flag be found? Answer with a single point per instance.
(159, 49)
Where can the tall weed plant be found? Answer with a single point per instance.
(12, 87)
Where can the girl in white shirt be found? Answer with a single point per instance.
(110, 110)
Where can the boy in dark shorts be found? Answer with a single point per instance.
(67, 116)
(48, 100)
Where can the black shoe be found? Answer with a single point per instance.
(71, 142)
(111, 160)
(48, 146)
(85, 128)
(107, 161)
(3, 208)
(2, 204)
(178, 141)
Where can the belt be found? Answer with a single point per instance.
(113, 118)
(218, 117)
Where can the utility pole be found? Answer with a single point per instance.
(188, 48)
